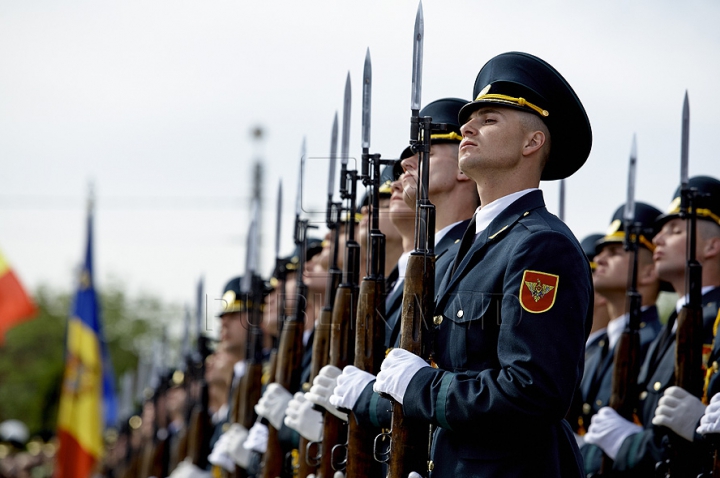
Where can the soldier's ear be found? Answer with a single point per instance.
(647, 274)
(534, 141)
(711, 248)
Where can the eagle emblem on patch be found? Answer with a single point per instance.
(538, 291)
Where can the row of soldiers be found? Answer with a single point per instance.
(480, 342)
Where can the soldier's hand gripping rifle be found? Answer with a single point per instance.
(342, 337)
(309, 452)
(290, 348)
(626, 362)
(370, 329)
(248, 391)
(410, 437)
(689, 335)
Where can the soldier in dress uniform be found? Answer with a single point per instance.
(455, 198)
(634, 448)
(594, 343)
(514, 310)
(610, 278)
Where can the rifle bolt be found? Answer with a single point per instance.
(438, 319)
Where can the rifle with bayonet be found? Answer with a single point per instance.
(342, 338)
(689, 335)
(370, 330)
(248, 391)
(626, 362)
(409, 445)
(309, 460)
(290, 347)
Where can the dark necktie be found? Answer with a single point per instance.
(467, 241)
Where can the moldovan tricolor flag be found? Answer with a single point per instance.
(15, 305)
(87, 401)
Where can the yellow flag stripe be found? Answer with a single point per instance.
(80, 412)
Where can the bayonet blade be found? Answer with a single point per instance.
(629, 211)
(418, 38)
(251, 249)
(367, 92)
(685, 142)
(278, 220)
(561, 209)
(298, 199)
(333, 157)
(345, 145)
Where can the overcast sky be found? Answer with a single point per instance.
(153, 101)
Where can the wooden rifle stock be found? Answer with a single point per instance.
(199, 431)
(410, 437)
(623, 396)
(369, 354)
(287, 375)
(342, 345)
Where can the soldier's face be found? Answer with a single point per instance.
(443, 177)
(401, 215)
(233, 329)
(493, 140)
(669, 255)
(611, 273)
(270, 313)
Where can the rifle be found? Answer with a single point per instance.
(626, 362)
(370, 330)
(321, 342)
(290, 348)
(410, 437)
(248, 391)
(689, 335)
(342, 340)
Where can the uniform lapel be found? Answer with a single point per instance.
(497, 229)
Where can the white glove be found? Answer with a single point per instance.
(186, 469)
(414, 474)
(579, 440)
(350, 384)
(257, 438)
(220, 455)
(237, 434)
(679, 411)
(396, 371)
(273, 403)
(608, 430)
(710, 422)
(323, 386)
(301, 417)
(338, 474)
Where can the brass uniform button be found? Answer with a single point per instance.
(460, 313)
(306, 387)
(598, 403)
(431, 465)
(438, 319)
(587, 408)
(643, 395)
(225, 427)
(656, 386)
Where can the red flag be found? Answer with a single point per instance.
(15, 305)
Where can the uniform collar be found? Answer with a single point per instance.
(484, 215)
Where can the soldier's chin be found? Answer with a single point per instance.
(409, 197)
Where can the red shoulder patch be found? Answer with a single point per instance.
(538, 291)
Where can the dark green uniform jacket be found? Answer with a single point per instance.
(510, 350)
